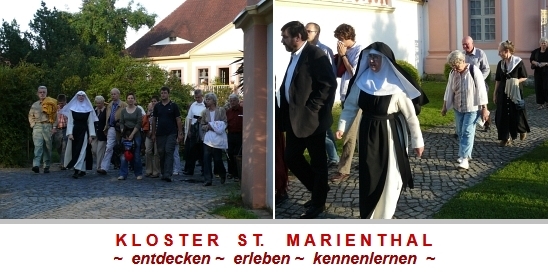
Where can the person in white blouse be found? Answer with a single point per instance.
(384, 94)
(467, 95)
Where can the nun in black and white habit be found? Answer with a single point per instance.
(390, 101)
(80, 132)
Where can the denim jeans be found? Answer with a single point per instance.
(466, 130)
(217, 155)
(136, 161)
(330, 147)
(111, 142)
(41, 136)
(176, 160)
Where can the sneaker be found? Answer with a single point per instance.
(522, 136)
(121, 178)
(102, 171)
(175, 173)
(139, 177)
(459, 160)
(36, 169)
(464, 164)
(229, 176)
(46, 170)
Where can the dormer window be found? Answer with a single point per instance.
(172, 39)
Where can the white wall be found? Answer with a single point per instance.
(218, 52)
(398, 29)
(229, 41)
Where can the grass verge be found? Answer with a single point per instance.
(233, 207)
(517, 191)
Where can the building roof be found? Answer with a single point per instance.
(190, 24)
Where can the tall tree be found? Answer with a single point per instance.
(53, 34)
(14, 45)
(101, 23)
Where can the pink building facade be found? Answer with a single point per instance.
(488, 22)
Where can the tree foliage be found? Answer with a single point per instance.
(68, 52)
(100, 23)
(14, 46)
(52, 34)
(18, 91)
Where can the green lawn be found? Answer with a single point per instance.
(517, 191)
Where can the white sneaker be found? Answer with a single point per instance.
(463, 164)
(459, 160)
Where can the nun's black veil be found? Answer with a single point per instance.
(387, 51)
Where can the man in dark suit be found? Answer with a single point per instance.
(307, 94)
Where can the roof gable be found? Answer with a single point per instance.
(190, 24)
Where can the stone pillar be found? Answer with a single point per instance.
(254, 179)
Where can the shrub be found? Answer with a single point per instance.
(410, 69)
(18, 91)
(446, 70)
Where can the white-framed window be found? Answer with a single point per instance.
(203, 76)
(176, 73)
(482, 20)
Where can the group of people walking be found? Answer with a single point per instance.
(380, 104)
(120, 128)
(379, 97)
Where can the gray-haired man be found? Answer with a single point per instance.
(43, 121)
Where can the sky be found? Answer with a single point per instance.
(23, 11)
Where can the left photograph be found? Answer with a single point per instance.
(131, 110)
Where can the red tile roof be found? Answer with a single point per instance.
(194, 20)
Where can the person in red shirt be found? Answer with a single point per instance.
(234, 115)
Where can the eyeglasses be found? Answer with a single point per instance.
(456, 65)
(374, 57)
(309, 31)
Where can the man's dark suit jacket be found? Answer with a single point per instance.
(311, 95)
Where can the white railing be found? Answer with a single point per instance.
(213, 88)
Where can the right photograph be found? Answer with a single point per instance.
(410, 109)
